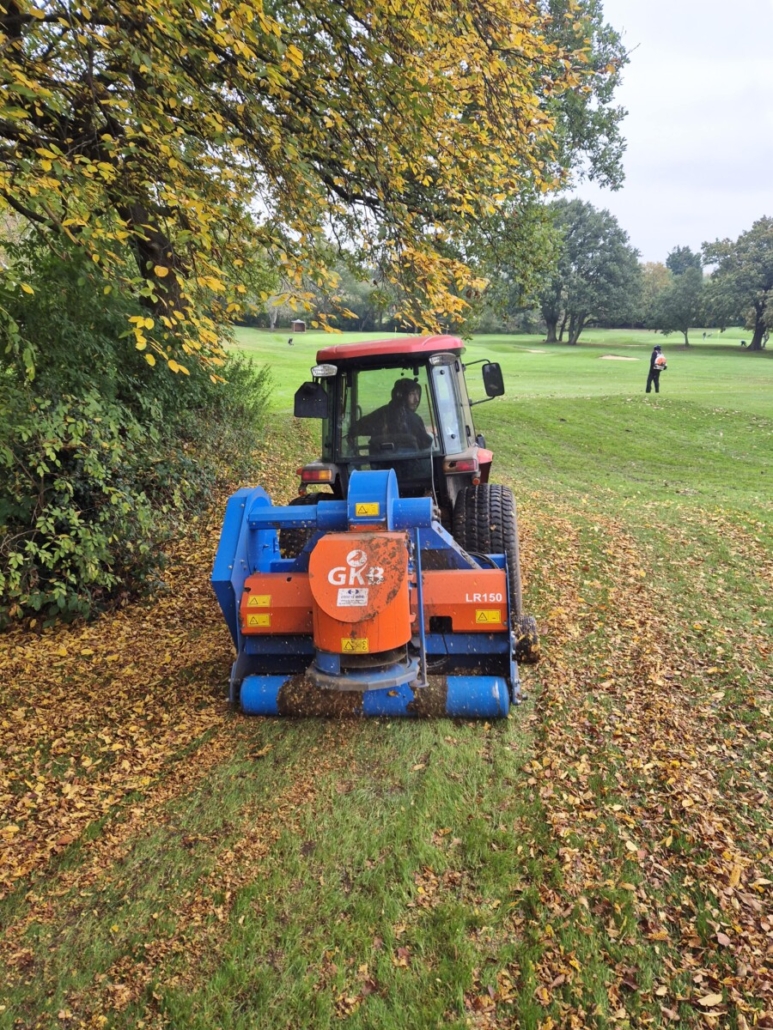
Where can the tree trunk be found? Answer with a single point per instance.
(551, 324)
(576, 325)
(563, 327)
(153, 251)
(686, 341)
(759, 327)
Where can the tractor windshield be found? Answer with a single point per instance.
(385, 419)
(385, 412)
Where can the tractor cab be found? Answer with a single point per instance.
(397, 404)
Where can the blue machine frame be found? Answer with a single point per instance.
(269, 675)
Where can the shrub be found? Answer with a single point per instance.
(100, 455)
(76, 521)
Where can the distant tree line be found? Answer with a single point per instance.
(597, 280)
(575, 268)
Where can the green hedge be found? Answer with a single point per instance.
(78, 521)
(101, 457)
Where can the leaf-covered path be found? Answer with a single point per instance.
(608, 850)
(656, 787)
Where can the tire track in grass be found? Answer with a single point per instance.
(737, 636)
(103, 853)
(655, 859)
(202, 917)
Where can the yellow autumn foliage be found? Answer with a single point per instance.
(188, 144)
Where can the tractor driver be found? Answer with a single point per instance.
(399, 417)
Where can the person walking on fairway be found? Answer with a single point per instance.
(657, 365)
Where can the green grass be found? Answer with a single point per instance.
(353, 907)
(713, 372)
(635, 448)
(580, 864)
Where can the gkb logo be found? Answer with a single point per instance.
(356, 560)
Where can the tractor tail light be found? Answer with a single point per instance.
(316, 474)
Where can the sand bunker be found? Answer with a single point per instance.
(616, 357)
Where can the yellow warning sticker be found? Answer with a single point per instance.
(259, 601)
(488, 615)
(369, 508)
(354, 646)
(264, 619)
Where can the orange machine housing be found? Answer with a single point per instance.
(356, 597)
(276, 604)
(474, 601)
(359, 583)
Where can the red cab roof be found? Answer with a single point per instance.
(395, 346)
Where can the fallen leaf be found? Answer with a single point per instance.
(708, 1001)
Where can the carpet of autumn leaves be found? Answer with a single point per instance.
(656, 787)
(647, 780)
(96, 713)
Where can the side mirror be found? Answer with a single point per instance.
(493, 383)
(310, 401)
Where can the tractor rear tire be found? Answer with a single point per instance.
(485, 522)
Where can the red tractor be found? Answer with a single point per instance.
(402, 404)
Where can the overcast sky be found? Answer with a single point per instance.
(699, 129)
